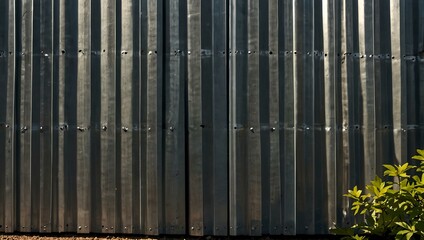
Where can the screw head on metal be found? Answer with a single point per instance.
(252, 129)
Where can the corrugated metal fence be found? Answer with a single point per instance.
(239, 117)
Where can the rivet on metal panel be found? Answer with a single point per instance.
(79, 227)
(252, 129)
(24, 129)
(272, 129)
(253, 228)
(7, 125)
(270, 52)
(171, 129)
(192, 228)
(202, 125)
(82, 129)
(124, 52)
(188, 52)
(63, 51)
(249, 52)
(10, 53)
(150, 52)
(223, 52)
(110, 227)
(325, 54)
(104, 127)
(306, 227)
(63, 127)
(149, 129)
(125, 129)
(150, 229)
(295, 52)
(370, 56)
(41, 129)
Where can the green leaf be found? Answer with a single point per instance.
(402, 232)
(409, 235)
(391, 170)
(403, 224)
(420, 155)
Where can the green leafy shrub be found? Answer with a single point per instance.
(390, 209)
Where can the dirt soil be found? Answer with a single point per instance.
(69, 237)
(4, 236)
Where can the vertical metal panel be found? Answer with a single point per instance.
(10, 157)
(130, 95)
(46, 107)
(83, 88)
(174, 115)
(303, 107)
(275, 190)
(108, 101)
(330, 75)
(154, 145)
(398, 86)
(202, 117)
(219, 111)
(25, 103)
(3, 104)
(237, 117)
(252, 128)
(195, 121)
(67, 116)
(287, 144)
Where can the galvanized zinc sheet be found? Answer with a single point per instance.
(226, 117)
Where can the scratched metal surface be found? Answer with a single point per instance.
(202, 117)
